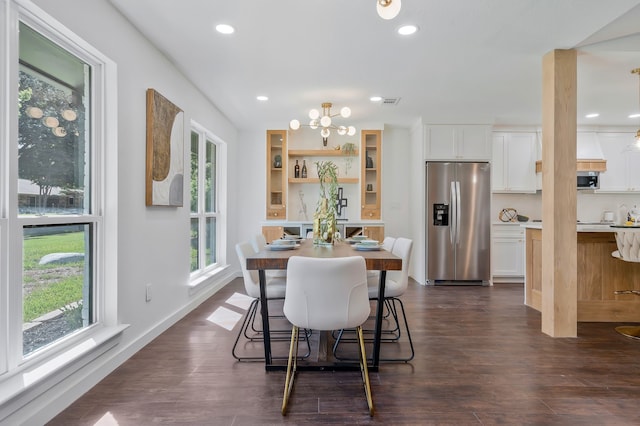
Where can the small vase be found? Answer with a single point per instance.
(369, 161)
(324, 225)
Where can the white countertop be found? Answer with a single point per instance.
(589, 227)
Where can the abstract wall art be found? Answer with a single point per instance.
(165, 152)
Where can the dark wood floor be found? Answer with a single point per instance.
(481, 359)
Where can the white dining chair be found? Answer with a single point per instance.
(628, 243)
(259, 242)
(276, 287)
(395, 286)
(326, 294)
(387, 244)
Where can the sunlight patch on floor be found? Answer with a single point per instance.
(240, 300)
(225, 318)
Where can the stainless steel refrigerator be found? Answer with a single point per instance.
(458, 240)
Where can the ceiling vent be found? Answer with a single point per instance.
(390, 101)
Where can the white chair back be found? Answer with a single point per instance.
(326, 293)
(628, 245)
(398, 281)
(387, 243)
(251, 279)
(258, 242)
(275, 284)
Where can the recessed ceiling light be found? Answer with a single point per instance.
(592, 115)
(407, 29)
(225, 29)
(634, 116)
(375, 98)
(262, 98)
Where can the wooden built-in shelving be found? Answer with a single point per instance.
(316, 180)
(319, 153)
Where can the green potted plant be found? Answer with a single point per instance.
(349, 149)
(324, 218)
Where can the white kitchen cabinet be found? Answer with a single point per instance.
(513, 167)
(507, 253)
(457, 142)
(623, 170)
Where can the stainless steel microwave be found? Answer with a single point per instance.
(588, 180)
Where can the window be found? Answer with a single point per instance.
(55, 194)
(207, 196)
(54, 159)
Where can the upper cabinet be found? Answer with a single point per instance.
(623, 173)
(371, 167)
(513, 167)
(457, 142)
(276, 174)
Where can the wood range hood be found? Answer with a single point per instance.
(589, 156)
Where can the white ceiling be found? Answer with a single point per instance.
(472, 61)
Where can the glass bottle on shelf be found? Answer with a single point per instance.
(304, 169)
(296, 170)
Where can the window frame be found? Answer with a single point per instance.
(19, 372)
(205, 136)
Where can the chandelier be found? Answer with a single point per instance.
(325, 121)
(388, 9)
(637, 140)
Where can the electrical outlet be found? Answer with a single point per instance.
(148, 293)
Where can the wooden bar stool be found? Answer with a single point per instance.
(628, 243)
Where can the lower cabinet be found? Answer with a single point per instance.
(374, 232)
(272, 232)
(507, 253)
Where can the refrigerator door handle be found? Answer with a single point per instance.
(453, 214)
(458, 212)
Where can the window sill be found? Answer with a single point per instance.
(201, 281)
(44, 374)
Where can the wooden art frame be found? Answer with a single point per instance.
(165, 152)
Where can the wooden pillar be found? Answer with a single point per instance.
(559, 242)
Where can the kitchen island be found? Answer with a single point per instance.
(599, 275)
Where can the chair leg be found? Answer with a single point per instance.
(365, 371)
(406, 324)
(391, 301)
(243, 329)
(248, 319)
(291, 368)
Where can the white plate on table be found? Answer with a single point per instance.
(279, 247)
(366, 247)
(283, 242)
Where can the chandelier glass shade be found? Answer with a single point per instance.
(324, 121)
(388, 9)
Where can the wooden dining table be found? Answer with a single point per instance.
(376, 260)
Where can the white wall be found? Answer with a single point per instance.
(153, 241)
(396, 182)
(416, 171)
